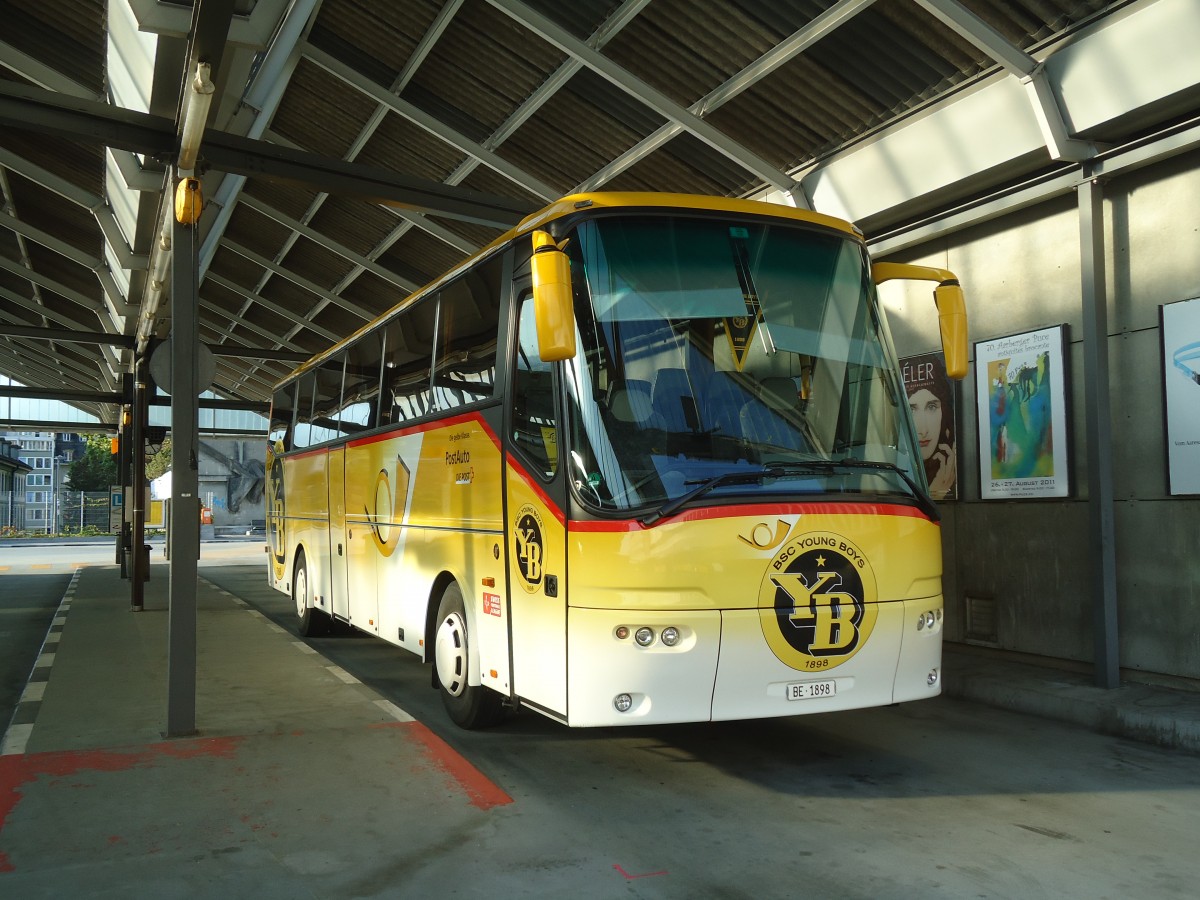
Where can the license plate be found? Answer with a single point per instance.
(809, 690)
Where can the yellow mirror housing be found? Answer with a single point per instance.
(951, 305)
(952, 322)
(553, 308)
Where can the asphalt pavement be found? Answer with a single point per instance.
(93, 793)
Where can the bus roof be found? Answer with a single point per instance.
(576, 203)
(573, 203)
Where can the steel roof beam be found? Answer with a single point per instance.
(262, 97)
(80, 197)
(428, 40)
(300, 281)
(65, 320)
(644, 93)
(50, 242)
(66, 336)
(239, 321)
(781, 53)
(171, 20)
(341, 250)
(44, 76)
(49, 284)
(425, 121)
(276, 308)
(57, 370)
(49, 113)
(556, 81)
(1032, 74)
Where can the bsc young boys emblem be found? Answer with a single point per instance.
(817, 602)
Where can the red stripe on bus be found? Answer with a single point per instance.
(534, 486)
(742, 510)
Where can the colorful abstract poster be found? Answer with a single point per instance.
(1021, 395)
(931, 398)
(1181, 389)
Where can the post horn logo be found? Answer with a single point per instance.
(384, 519)
(817, 602)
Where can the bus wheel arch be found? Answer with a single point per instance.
(455, 655)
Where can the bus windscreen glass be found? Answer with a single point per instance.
(745, 354)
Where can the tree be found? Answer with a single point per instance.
(96, 470)
(159, 463)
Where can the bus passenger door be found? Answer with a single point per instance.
(368, 512)
(337, 533)
(536, 529)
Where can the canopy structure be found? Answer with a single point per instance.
(350, 151)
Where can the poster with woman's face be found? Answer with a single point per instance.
(1181, 387)
(931, 401)
(1021, 395)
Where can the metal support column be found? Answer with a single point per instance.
(1101, 529)
(185, 504)
(138, 564)
(124, 436)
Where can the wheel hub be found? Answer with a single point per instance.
(450, 654)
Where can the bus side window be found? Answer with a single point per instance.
(283, 411)
(464, 364)
(408, 362)
(535, 421)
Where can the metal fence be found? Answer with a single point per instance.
(65, 512)
(77, 511)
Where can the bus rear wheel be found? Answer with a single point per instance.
(309, 622)
(470, 706)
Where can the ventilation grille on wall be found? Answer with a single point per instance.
(981, 621)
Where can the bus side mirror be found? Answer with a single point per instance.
(553, 309)
(952, 322)
(951, 306)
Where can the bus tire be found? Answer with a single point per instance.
(310, 622)
(469, 706)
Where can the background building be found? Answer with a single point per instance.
(13, 475)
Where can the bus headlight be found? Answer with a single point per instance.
(670, 635)
(644, 636)
(622, 703)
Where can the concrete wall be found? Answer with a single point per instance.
(1029, 563)
(232, 472)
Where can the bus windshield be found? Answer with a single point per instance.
(729, 358)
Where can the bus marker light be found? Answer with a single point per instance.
(622, 702)
(644, 636)
(670, 635)
(622, 632)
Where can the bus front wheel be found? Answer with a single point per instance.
(309, 622)
(470, 706)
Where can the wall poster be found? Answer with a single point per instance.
(1180, 329)
(931, 397)
(1021, 393)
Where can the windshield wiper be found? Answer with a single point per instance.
(673, 506)
(792, 469)
(923, 501)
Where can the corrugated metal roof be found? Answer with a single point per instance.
(504, 111)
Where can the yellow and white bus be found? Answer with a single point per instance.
(646, 458)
